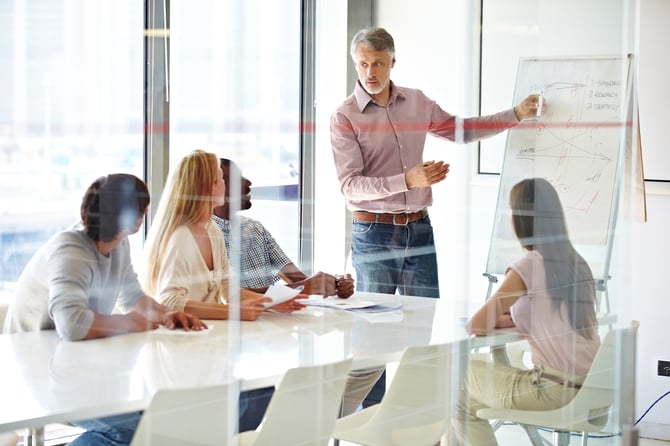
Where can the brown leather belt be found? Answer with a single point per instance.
(560, 380)
(389, 219)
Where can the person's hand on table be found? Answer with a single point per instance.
(174, 319)
(328, 285)
(252, 307)
(291, 305)
(344, 285)
(133, 322)
(319, 283)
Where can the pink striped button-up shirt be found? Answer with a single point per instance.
(374, 145)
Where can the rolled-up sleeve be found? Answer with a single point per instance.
(452, 128)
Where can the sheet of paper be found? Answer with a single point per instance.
(353, 304)
(280, 293)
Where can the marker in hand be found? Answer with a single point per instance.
(540, 102)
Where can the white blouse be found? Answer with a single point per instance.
(184, 275)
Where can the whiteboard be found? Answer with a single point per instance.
(577, 145)
(541, 28)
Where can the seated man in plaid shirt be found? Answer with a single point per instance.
(262, 261)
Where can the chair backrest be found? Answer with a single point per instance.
(194, 416)
(9, 439)
(606, 377)
(4, 307)
(304, 406)
(610, 380)
(423, 393)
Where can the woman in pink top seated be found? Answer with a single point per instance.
(549, 294)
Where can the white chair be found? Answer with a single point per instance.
(516, 354)
(303, 408)
(588, 411)
(193, 416)
(418, 404)
(9, 439)
(4, 307)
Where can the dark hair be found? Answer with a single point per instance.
(113, 204)
(539, 223)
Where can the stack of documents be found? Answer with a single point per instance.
(353, 304)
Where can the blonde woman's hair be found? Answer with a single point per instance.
(186, 198)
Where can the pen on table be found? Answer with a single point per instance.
(540, 101)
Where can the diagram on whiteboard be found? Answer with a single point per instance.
(576, 145)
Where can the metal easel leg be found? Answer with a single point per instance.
(534, 435)
(35, 437)
(492, 280)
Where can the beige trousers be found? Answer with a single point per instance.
(495, 385)
(359, 383)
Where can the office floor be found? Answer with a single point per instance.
(515, 436)
(55, 435)
(511, 435)
(507, 435)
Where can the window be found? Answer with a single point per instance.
(234, 90)
(71, 111)
(72, 107)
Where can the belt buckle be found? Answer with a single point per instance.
(395, 223)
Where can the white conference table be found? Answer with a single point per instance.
(45, 380)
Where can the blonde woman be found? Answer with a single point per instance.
(186, 265)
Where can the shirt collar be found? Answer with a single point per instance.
(363, 98)
(220, 221)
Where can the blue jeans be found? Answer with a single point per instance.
(252, 407)
(117, 430)
(389, 258)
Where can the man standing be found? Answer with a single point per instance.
(378, 137)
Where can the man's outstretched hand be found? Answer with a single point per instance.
(426, 174)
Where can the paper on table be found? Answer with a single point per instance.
(280, 293)
(352, 304)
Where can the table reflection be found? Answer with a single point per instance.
(49, 380)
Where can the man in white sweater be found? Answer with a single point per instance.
(73, 283)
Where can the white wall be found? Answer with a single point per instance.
(654, 86)
(441, 61)
(650, 304)
(436, 51)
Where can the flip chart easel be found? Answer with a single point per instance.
(582, 144)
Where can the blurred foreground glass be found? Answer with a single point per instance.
(70, 111)
(234, 90)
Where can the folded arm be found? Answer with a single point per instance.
(495, 313)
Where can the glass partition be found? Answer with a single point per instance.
(71, 111)
(235, 90)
